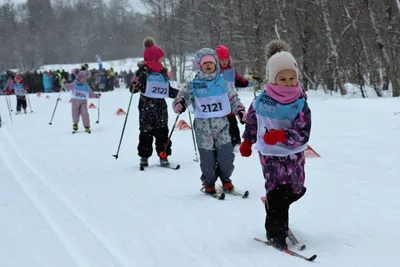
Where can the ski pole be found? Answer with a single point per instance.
(0, 119)
(55, 107)
(193, 138)
(98, 111)
(9, 108)
(8, 99)
(254, 88)
(163, 154)
(123, 128)
(29, 102)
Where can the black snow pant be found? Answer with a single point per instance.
(145, 146)
(21, 102)
(277, 206)
(234, 131)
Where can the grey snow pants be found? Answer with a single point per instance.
(215, 149)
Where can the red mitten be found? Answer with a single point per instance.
(245, 148)
(274, 136)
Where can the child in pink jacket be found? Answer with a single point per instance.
(80, 92)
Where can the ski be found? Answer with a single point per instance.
(288, 251)
(236, 193)
(215, 195)
(88, 132)
(169, 166)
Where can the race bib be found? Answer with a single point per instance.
(157, 86)
(211, 98)
(19, 89)
(269, 108)
(229, 75)
(81, 91)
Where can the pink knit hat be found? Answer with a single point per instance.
(281, 61)
(207, 58)
(223, 52)
(18, 78)
(152, 52)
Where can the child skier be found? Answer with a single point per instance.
(212, 99)
(231, 76)
(80, 92)
(279, 124)
(152, 81)
(20, 93)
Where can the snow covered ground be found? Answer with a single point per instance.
(66, 202)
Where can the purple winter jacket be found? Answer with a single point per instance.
(288, 169)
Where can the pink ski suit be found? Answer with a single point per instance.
(80, 92)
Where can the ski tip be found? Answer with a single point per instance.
(246, 194)
(222, 196)
(177, 167)
(312, 258)
(141, 167)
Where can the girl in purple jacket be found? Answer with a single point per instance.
(278, 125)
(80, 92)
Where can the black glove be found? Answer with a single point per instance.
(258, 79)
(241, 114)
(183, 104)
(132, 87)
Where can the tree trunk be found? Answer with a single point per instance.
(384, 52)
(333, 58)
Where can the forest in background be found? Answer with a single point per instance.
(335, 42)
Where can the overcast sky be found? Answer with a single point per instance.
(135, 3)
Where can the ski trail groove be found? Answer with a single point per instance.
(81, 262)
(69, 247)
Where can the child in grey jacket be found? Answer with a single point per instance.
(212, 99)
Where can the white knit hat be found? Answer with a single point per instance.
(281, 61)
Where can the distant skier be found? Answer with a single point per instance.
(20, 93)
(279, 124)
(231, 76)
(80, 92)
(151, 80)
(212, 99)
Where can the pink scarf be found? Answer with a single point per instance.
(283, 94)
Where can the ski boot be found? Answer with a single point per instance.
(87, 130)
(278, 243)
(210, 189)
(227, 186)
(164, 162)
(74, 128)
(144, 162)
